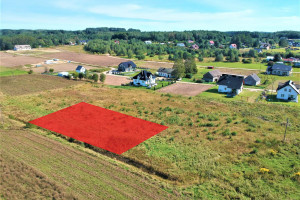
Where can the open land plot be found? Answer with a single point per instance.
(116, 80)
(11, 71)
(11, 60)
(59, 67)
(153, 64)
(209, 143)
(31, 83)
(99, 60)
(76, 173)
(186, 89)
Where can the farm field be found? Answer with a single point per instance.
(11, 71)
(212, 143)
(59, 67)
(66, 171)
(185, 89)
(11, 60)
(31, 83)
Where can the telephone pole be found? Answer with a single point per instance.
(286, 125)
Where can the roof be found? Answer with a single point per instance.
(143, 75)
(214, 73)
(128, 64)
(231, 81)
(181, 44)
(253, 76)
(234, 45)
(296, 87)
(282, 67)
(79, 67)
(211, 42)
(165, 70)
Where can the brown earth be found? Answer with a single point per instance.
(186, 89)
(238, 71)
(153, 64)
(11, 60)
(59, 67)
(116, 80)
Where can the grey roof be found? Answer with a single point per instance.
(128, 64)
(252, 76)
(79, 67)
(296, 87)
(215, 73)
(165, 70)
(231, 81)
(277, 66)
(143, 75)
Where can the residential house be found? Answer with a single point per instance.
(63, 74)
(83, 42)
(195, 46)
(22, 47)
(279, 69)
(252, 79)
(165, 72)
(127, 66)
(288, 91)
(266, 46)
(48, 62)
(258, 50)
(211, 42)
(190, 41)
(117, 42)
(180, 44)
(212, 76)
(230, 84)
(80, 69)
(144, 78)
(148, 42)
(233, 46)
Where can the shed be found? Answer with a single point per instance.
(252, 79)
(212, 76)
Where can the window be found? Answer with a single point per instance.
(285, 89)
(290, 90)
(282, 95)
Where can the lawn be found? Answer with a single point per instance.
(9, 71)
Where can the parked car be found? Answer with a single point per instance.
(210, 67)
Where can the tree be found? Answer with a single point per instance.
(190, 66)
(30, 71)
(179, 69)
(219, 58)
(277, 57)
(75, 75)
(102, 77)
(130, 53)
(80, 75)
(95, 77)
(283, 42)
(200, 58)
(51, 70)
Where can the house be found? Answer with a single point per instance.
(48, 62)
(190, 41)
(233, 46)
(148, 42)
(288, 91)
(63, 74)
(22, 47)
(258, 50)
(195, 46)
(80, 69)
(252, 79)
(270, 58)
(212, 76)
(144, 78)
(180, 45)
(230, 84)
(279, 69)
(165, 72)
(117, 42)
(83, 42)
(211, 42)
(126, 66)
(266, 46)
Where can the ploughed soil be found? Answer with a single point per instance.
(186, 89)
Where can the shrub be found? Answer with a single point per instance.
(51, 70)
(102, 77)
(210, 138)
(226, 132)
(234, 133)
(30, 71)
(95, 77)
(189, 75)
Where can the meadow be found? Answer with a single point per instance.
(9, 71)
(215, 147)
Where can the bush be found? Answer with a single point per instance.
(189, 75)
(95, 77)
(51, 70)
(247, 61)
(102, 77)
(30, 71)
(234, 133)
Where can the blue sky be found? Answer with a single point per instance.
(153, 15)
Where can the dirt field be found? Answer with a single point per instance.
(238, 71)
(153, 64)
(59, 67)
(10, 60)
(116, 80)
(26, 84)
(77, 172)
(98, 60)
(186, 89)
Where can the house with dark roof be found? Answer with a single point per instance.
(279, 69)
(265, 46)
(252, 79)
(144, 78)
(231, 84)
(165, 72)
(212, 76)
(80, 69)
(258, 50)
(126, 66)
(288, 91)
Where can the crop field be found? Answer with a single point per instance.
(186, 89)
(11, 60)
(31, 83)
(212, 146)
(60, 171)
(116, 80)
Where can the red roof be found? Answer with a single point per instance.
(211, 42)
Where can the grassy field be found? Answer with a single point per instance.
(214, 148)
(9, 71)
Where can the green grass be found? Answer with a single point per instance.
(5, 71)
(257, 66)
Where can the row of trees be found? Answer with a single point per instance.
(184, 68)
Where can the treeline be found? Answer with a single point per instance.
(46, 38)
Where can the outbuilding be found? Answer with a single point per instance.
(252, 79)
(80, 69)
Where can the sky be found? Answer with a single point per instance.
(152, 15)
